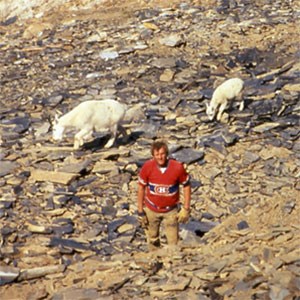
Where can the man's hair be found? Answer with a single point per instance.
(158, 145)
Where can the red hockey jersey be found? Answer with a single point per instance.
(162, 187)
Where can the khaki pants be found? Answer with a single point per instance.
(170, 223)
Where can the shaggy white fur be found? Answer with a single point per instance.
(228, 90)
(90, 116)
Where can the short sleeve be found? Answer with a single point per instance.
(143, 176)
(184, 177)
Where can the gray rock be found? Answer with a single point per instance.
(242, 225)
(250, 157)
(188, 156)
(8, 274)
(7, 167)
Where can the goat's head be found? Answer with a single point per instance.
(57, 129)
(210, 111)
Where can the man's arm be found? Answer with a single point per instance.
(184, 213)
(187, 196)
(141, 195)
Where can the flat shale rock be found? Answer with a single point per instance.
(188, 156)
(69, 294)
(69, 228)
(8, 274)
(53, 176)
(7, 167)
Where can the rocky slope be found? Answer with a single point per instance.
(68, 218)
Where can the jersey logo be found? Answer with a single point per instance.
(163, 190)
(160, 189)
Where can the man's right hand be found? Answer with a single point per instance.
(183, 215)
(143, 220)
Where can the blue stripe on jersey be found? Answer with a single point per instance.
(166, 190)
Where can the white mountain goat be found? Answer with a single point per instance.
(228, 90)
(90, 116)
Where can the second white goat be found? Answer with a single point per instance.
(90, 116)
(228, 90)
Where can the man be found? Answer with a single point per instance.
(159, 195)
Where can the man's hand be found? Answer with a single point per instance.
(183, 215)
(143, 220)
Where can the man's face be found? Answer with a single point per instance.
(160, 156)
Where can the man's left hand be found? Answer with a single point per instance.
(183, 215)
(143, 220)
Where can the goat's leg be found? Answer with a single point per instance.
(242, 105)
(124, 133)
(222, 107)
(241, 100)
(76, 144)
(111, 141)
(88, 136)
(79, 137)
